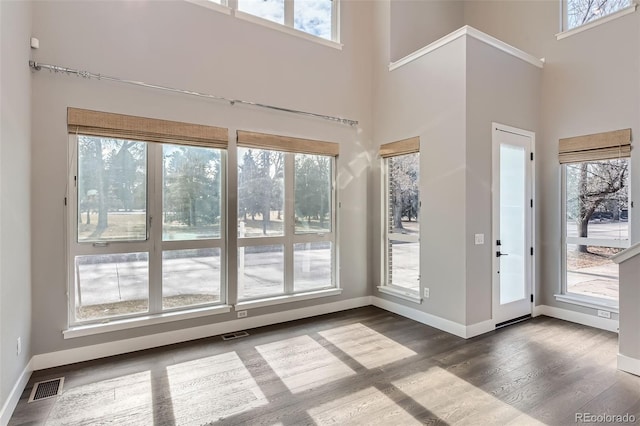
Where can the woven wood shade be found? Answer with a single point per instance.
(405, 146)
(287, 144)
(106, 124)
(599, 146)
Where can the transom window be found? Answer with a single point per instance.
(401, 219)
(581, 12)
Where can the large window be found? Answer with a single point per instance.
(286, 219)
(596, 213)
(147, 228)
(315, 17)
(401, 220)
(581, 12)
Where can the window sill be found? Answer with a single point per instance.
(278, 300)
(402, 294)
(125, 324)
(597, 22)
(288, 30)
(213, 6)
(588, 302)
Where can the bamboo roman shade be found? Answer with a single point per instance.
(287, 144)
(105, 124)
(405, 146)
(599, 146)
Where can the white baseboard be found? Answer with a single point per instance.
(86, 353)
(628, 364)
(14, 396)
(452, 327)
(577, 317)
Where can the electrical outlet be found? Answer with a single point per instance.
(242, 314)
(479, 239)
(426, 292)
(604, 314)
(19, 346)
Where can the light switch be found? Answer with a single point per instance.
(479, 239)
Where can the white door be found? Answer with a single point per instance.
(512, 223)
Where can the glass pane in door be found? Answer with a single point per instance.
(512, 223)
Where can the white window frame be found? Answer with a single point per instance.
(153, 245)
(386, 286)
(230, 7)
(565, 31)
(290, 238)
(576, 298)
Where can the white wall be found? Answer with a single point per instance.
(417, 23)
(183, 45)
(15, 192)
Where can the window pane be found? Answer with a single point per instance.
(598, 199)
(260, 271)
(312, 266)
(313, 17)
(112, 190)
(190, 277)
(403, 202)
(111, 285)
(579, 12)
(313, 193)
(191, 193)
(273, 10)
(590, 271)
(260, 192)
(404, 264)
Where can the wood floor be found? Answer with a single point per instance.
(360, 367)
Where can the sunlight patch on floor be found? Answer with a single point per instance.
(452, 399)
(366, 346)
(212, 388)
(368, 406)
(303, 364)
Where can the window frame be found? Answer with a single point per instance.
(153, 245)
(386, 286)
(576, 298)
(290, 238)
(565, 31)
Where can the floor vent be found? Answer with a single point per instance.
(46, 389)
(236, 335)
(513, 321)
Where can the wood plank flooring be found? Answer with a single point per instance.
(359, 367)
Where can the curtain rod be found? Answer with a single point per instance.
(37, 66)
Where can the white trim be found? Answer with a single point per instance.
(287, 298)
(86, 353)
(211, 5)
(402, 294)
(472, 32)
(287, 30)
(628, 364)
(125, 324)
(14, 396)
(597, 22)
(627, 254)
(577, 317)
(443, 324)
(588, 302)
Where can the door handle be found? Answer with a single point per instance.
(498, 254)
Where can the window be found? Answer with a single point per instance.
(315, 17)
(147, 217)
(581, 12)
(401, 221)
(286, 216)
(596, 214)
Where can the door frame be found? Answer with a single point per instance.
(495, 188)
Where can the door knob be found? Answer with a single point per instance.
(498, 254)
